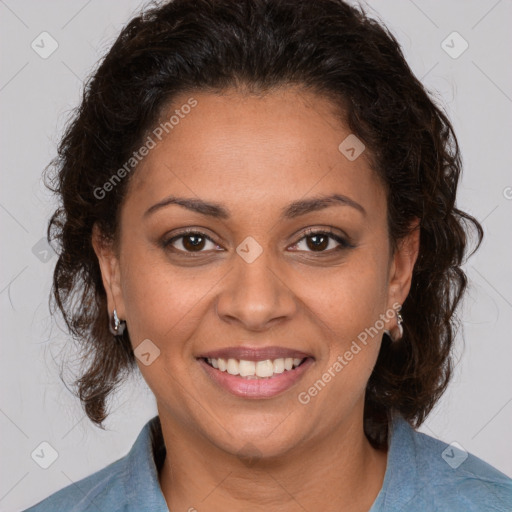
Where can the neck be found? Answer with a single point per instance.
(337, 472)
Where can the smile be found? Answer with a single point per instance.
(255, 379)
(255, 369)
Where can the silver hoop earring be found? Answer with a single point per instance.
(116, 326)
(399, 327)
(400, 321)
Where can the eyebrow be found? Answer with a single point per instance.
(293, 210)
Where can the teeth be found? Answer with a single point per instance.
(233, 367)
(279, 365)
(222, 364)
(255, 369)
(247, 368)
(264, 368)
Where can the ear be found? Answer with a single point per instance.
(110, 272)
(402, 265)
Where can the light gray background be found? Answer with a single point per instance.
(36, 97)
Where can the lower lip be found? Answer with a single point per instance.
(257, 388)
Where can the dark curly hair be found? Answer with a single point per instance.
(324, 46)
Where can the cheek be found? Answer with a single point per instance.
(349, 298)
(164, 303)
(347, 310)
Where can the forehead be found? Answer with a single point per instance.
(236, 145)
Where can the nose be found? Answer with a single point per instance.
(255, 295)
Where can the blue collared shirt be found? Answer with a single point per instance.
(422, 474)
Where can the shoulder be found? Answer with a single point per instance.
(129, 484)
(100, 491)
(460, 478)
(441, 476)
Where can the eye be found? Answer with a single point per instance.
(190, 242)
(321, 241)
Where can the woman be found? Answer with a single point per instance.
(258, 210)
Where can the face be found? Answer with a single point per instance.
(247, 264)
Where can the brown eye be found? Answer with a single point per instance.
(190, 242)
(317, 242)
(321, 241)
(193, 242)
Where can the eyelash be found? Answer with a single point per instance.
(343, 243)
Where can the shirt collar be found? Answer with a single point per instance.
(143, 492)
(401, 474)
(142, 487)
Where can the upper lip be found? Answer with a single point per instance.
(254, 354)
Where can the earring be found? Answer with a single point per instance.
(116, 326)
(400, 321)
(399, 327)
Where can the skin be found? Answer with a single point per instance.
(255, 155)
